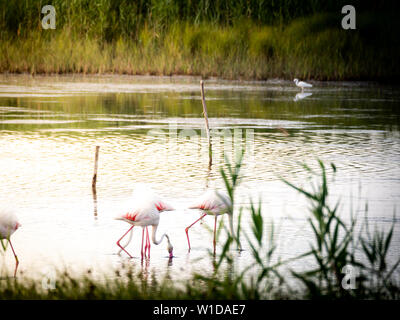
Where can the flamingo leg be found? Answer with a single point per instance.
(148, 242)
(118, 242)
(215, 233)
(187, 228)
(141, 251)
(16, 258)
(146, 247)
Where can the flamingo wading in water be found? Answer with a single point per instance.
(145, 212)
(8, 225)
(213, 202)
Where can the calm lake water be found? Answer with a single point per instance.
(149, 130)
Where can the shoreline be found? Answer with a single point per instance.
(122, 76)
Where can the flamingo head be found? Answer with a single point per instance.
(17, 225)
(168, 207)
(170, 248)
(296, 80)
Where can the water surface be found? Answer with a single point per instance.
(149, 130)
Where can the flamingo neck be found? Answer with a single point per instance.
(232, 230)
(153, 235)
(157, 242)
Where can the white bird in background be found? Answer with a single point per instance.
(145, 211)
(213, 202)
(8, 225)
(302, 84)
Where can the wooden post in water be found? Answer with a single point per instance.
(203, 101)
(96, 161)
(94, 180)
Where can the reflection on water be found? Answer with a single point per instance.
(302, 95)
(150, 130)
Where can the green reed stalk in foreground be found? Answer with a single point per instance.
(335, 247)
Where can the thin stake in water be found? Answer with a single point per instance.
(94, 180)
(203, 101)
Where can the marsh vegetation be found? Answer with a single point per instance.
(228, 39)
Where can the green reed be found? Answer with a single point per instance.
(335, 244)
(109, 19)
(229, 39)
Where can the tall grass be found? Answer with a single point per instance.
(229, 39)
(110, 19)
(335, 246)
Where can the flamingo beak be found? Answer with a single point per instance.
(170, 248)
(17, 225)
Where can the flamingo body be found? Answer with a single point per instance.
(8, 225)
(142, 217)
(145, 211)
(213, 202)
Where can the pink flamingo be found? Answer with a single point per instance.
(145, 212)
(8, 225)
(213, 202)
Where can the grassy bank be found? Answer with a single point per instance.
(335, 246)
(150, 37)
